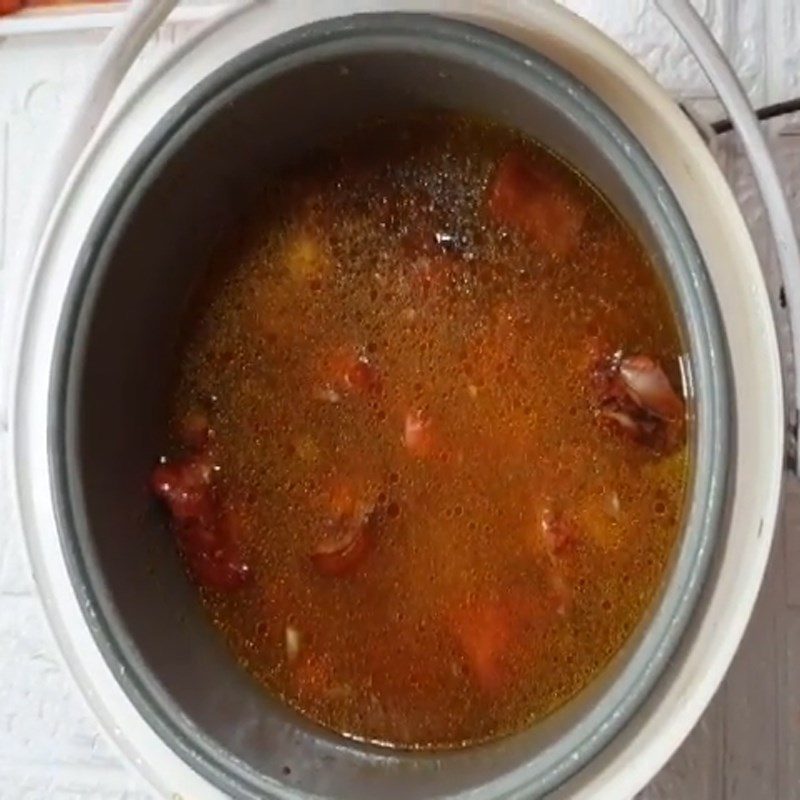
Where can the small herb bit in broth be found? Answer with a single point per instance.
(409, 506)
(292, 644)
(419, 435)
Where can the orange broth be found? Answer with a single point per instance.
(446, 522)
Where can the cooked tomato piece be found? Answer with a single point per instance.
(221, 569)
(361, 376)
(10, 6)
(231, 522)
(185, 486)
(194, 430)
(212, 551)
(484, 632)
(539, 205)
(343, 548)
(349, 509)
(196, 537)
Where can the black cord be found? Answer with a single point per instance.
(767, 112)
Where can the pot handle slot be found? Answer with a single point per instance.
(701, 43)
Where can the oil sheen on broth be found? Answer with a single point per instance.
(429, 453)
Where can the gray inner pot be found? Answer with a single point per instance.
(190, 181)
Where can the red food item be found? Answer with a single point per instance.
(648, 386)
(361, 376)
(349, 509)
(185, 486)
(348, 372)
(206, 537)
(418, 434)
(39, 3)
(343, 548)
(638, 427)
(221, 568)
(212, 552)
(634, 396)
(484, 632)
(10, 6)
(604, 373)
(197, 537)
(488, 631)
(195, 430)
(558, 532)
(525, 198)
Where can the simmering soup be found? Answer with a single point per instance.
(428, 459)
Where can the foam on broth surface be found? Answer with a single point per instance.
(388, 349)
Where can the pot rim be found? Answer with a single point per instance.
(415, 34)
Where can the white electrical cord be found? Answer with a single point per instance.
(695, 33)
(117, 53)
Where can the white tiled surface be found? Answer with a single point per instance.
(747, 746)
